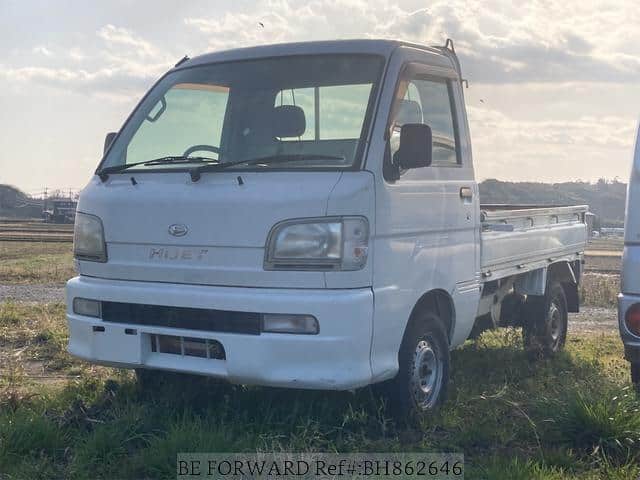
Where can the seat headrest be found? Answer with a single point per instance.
(409, 111)
(288, 121)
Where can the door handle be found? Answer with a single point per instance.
(466, 193)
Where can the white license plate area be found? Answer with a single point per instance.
(116, 344)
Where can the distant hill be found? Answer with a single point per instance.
(605, 198)
(16, 204)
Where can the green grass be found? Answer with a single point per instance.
(574, 417)
(31, 335)
(35, 262)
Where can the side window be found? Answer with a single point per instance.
(428, 101)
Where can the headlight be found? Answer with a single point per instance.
(318, 244)
(88, 238)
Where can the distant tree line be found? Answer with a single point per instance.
(16, 204)
(606, 198)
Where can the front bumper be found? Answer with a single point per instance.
(338, 358)
(631, 341)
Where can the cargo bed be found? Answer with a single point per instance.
(519, 238)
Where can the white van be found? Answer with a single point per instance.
(629, 299)
(306, 215)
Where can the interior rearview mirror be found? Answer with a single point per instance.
(107, 141)
(416, 146)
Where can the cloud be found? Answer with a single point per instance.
(77, 54)
(121, 38)
(116, 81)
(498, 128)
(497, 42)
(42, 50)
(128, 64)
(514, 149)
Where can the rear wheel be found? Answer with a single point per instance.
(546, 322)
(422, 380)
(635, 375)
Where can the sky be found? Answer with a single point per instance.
(554, 87)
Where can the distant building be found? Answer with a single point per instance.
(59, 211)
(612, 232)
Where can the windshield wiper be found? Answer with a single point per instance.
(168, 160)
(270, 159)
(180, 159)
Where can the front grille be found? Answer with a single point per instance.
(182, 317)
(188, 347)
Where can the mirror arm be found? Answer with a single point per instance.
(390, 168)
(108, 140)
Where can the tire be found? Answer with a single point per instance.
(635, 375)
(545, 322)
(421, 384)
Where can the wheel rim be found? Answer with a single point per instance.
(555, 324)
(426, 380)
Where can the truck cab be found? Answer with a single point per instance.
(306, 215)
(629, 298)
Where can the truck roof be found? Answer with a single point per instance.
(382, 47)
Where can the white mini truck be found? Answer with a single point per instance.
(629, 298)
(306, 215)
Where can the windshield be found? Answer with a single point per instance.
(312, 109)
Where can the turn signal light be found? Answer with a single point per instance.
(632, 319)
(87, 307)
(282, 323)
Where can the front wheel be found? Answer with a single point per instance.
(546, 322)
(423, 377)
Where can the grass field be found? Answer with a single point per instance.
(35, 262)
(573, 417)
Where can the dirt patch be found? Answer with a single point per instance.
(593, 320)
(15, 368)
(34, 293)
(603, 261)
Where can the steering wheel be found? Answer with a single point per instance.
(201, 148)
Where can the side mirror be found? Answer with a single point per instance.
(416, 146)
(107, 141)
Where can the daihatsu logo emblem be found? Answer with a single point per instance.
(178, 230)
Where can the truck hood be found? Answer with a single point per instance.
(227, 217)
